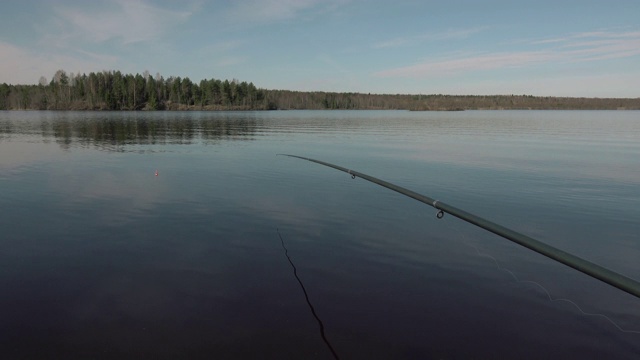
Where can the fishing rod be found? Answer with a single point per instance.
(596, 271)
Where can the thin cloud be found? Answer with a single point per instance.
(583, 47)
(231, 61)
(333, 64)
(22, 66)
(612, 46)
(256, 12)
(269, 10)
(128, 21)
(98, 57)
(221, 47)
(591, 34)
(440, 36)
(221, 54)
(399, 41)
(479, 62)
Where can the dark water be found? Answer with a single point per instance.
(101, 258)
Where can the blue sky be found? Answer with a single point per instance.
(547, 48)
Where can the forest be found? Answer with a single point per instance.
(113, 90)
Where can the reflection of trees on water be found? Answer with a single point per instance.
(114, 134)
(6, 129)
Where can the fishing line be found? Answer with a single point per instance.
(306, 296)
(465, 240)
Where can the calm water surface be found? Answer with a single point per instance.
(101, 258)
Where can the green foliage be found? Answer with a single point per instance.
(112, 90)
(4, 96)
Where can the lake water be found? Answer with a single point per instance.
(102, 258)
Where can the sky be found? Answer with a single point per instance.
(579, 48)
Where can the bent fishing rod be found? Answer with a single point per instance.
(596, 271)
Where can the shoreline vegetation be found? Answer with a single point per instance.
(113, 90)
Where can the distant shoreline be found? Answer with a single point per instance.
(112, 90)
(196, 108)
(447, 103)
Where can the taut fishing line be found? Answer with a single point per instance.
(306, 296)
(465, 240)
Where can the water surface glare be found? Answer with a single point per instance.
(102, 258)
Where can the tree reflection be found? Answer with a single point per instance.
(111, 133)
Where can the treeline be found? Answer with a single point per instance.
(282, 99)
(112, 90)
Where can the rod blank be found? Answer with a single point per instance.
(596, 271)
